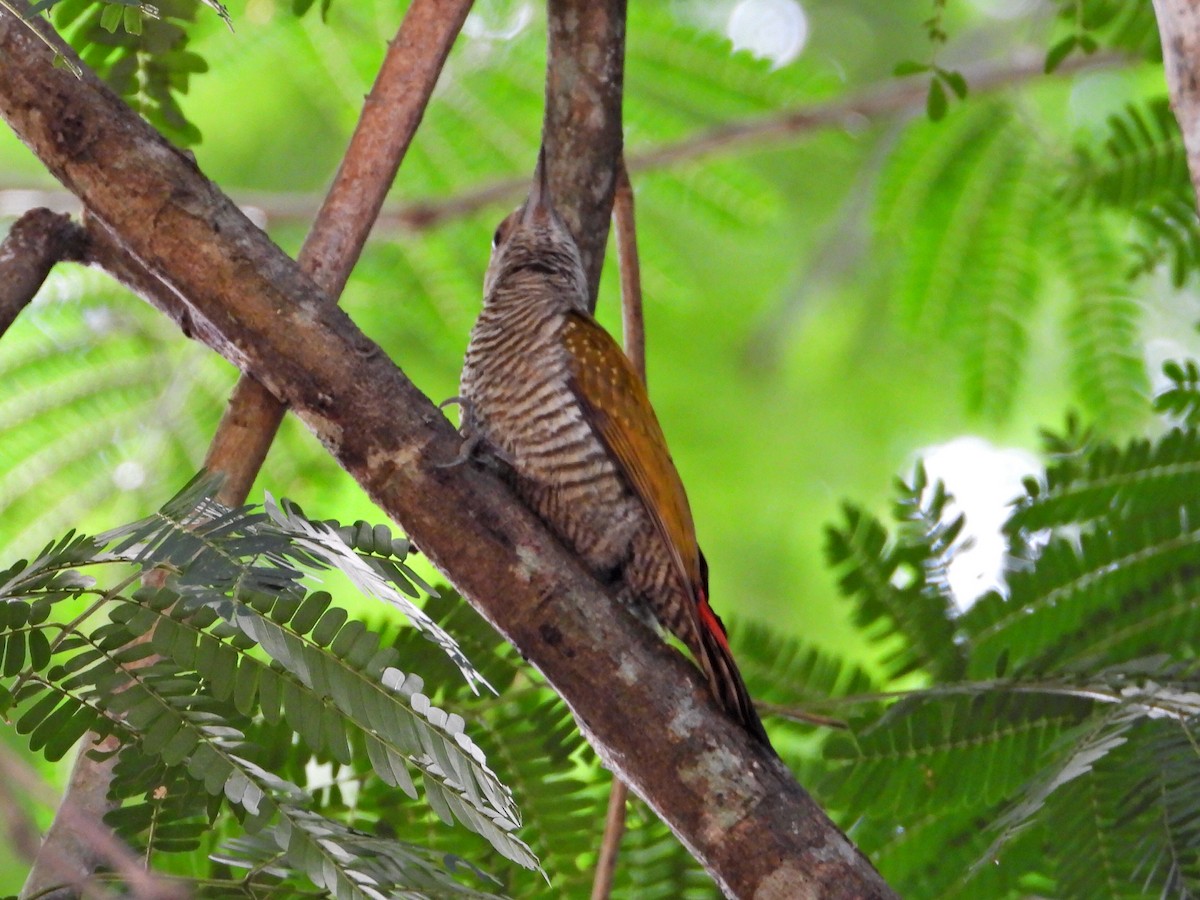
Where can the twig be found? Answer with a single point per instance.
(35, 242)
(891, 97)
(633, 322)
(842, 245)
(796, 714)
(614, 828)
(389, 119)
(23, 834)
(903, 96)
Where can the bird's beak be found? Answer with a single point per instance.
(539, 207)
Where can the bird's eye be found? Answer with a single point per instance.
(504, 229)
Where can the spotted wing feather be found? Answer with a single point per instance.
(615, 401)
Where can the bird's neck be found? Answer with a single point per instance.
(533, 292)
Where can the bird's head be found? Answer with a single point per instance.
(534, 242)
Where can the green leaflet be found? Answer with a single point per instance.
(900, 588)
(1082, 698)
(191, 703)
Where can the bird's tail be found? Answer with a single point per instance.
(723, 676)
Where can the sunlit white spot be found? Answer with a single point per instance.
(493, 22)
(771, 29)
(1157, 352)
(318, 775)
(99, 319)
(129, 475)
(984, 480)
(904, 577)
(1167, 332)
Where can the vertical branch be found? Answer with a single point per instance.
(389, 119)
(1179, 30)
(633, 323)
(634, 333)
(610, 847)
(582, 135)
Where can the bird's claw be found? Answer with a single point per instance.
(473, 440)
(465, 452)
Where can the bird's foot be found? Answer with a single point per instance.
(474, 444)
(465, 452)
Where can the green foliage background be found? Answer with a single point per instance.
(820, 308)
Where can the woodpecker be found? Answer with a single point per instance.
(550, 394)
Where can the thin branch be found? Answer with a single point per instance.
(764, 835)
(904, 97)
(21, 10)
(389, 120)
(843, 245)
(36, 241)
(21, 829)
(633, 322)
(1150, 699)
(614, 829)
(634, 333)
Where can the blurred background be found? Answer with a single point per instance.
(814, 289)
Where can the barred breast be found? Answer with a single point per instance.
(519, 400)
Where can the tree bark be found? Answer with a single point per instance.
(728, 798)
(582, 132)
(36, 241)
(1179, 30)
(389, 119)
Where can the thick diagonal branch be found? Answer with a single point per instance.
(733, 804)
(388, 122)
